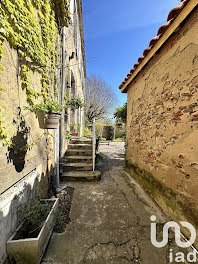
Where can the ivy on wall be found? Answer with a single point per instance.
(63, 12)
(29, 27)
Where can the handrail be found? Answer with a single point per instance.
(94, 143)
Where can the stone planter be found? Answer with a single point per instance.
(50, 122)
(31, 250)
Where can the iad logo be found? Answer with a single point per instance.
(182, 244)
(176, 227)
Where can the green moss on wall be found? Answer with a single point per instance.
(176, 205)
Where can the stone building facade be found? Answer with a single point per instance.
(41, 54)
(162, 122)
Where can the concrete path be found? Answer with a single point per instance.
(110, 220)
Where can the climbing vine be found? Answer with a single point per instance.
(29, 26)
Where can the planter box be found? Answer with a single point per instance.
(31, 250)
(48, 123)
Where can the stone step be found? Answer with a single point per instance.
(78, 158)
(78, 166)
(80, 152)
(80, 146)
(80, 175)
(81, 141)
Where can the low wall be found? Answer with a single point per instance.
(16, 197)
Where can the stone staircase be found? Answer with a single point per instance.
(78, 161)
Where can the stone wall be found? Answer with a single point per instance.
(162, 125)
(27, 172)
(21, 125)
(23, 174)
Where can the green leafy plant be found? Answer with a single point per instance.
(75, 103)
(99, 129)
(72, 125)
(33, 218)
(118, 140)
(86, 132)
(121, 114)
(68, 134)
(50, 107)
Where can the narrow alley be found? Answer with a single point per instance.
(110, 219)
(98, 132)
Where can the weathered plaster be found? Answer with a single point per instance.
(162, 127)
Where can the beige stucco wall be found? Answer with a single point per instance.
(13, 97)
(162, 131)
(21, 125)
(21, 177)
(76, 68)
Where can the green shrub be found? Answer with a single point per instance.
(87, 132)
(33, 218)
(99, 129)
(68, 134)
(119, 140)
(108, 132)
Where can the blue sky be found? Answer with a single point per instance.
(116, 34)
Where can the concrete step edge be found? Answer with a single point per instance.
(80, 173)
(77, 164)
(79, 150)
(78, 157)
(82, 145)
(84, 175)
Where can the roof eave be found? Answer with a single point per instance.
(172, 28)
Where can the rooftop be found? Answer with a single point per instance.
(173, 14)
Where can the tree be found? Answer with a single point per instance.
(121, 114)
(100, 99)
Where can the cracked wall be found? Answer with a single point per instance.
(162, 125)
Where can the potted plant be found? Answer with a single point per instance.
(28, 243)
(48, 114)
(75, 103)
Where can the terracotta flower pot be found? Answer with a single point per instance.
(50, 122)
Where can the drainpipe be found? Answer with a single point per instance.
(63, 82)
(56, 138)
(56, 158)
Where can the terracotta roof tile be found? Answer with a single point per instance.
(175, 11)
(136, 65)
(140, 59)
(154, 40)
(171, 17)
(164, 27)
(132, 70)
(147, 50)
